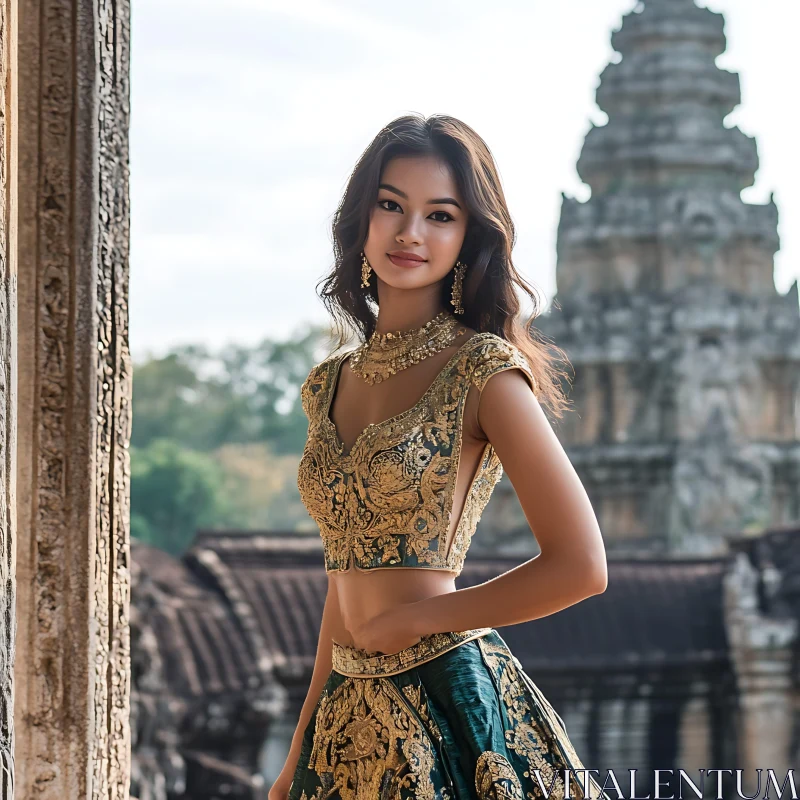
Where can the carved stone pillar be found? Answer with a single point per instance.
(74, 387)
(8, 378)
(761, 650)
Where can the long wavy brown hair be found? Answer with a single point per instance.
(490, 296)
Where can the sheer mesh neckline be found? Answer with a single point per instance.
(334, 382)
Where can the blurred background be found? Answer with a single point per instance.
(650, 166)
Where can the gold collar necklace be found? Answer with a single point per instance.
(385, 354)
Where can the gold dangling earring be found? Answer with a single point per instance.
(458, 287)
(365, 271)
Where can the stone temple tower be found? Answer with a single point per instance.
(685, 424)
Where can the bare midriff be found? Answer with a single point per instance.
(363, 594)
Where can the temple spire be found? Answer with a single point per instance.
(687, 372)
(666, 100)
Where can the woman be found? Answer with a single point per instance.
(413, 693)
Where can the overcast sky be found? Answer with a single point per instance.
(247, 117)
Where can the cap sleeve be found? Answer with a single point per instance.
(497, 355)
(311, 391)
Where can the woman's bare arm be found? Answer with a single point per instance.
(331, 618)
(572, 562)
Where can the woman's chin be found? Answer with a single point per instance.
(406, 279)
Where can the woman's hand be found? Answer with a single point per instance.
(390, 631)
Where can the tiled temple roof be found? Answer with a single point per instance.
(199, 686)
(202, 649)
(277, 587)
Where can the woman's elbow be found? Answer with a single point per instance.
(588, 571)
(601, 584)
(597, 576)
(593, 572)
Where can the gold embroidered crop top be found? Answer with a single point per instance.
(388, 502)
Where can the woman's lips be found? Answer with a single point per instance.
(405, 262)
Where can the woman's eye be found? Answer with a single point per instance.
(380, 204)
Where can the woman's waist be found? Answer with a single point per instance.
(361, 597)
(398, 584)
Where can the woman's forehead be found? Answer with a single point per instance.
(420, 175)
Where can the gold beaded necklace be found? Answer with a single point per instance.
(385, 354)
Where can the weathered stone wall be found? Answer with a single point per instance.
(8, 374)
(72, 668)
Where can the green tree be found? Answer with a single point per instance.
(240, 395)
(216, 438)
(279, 369)
(173, 398)
(174, 491)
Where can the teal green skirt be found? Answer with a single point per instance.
(453, 716)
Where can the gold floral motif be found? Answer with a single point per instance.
(524, 737)
(495, 778)
(553, 718)
(374, 737)
(547, 749)
(388, 501)
(415, 695)
(369, 744)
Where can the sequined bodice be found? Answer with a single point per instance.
(388, 501)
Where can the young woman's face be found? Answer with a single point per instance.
(419, 210)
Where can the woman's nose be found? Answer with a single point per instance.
(411, 230)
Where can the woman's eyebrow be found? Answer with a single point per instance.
(444, 200)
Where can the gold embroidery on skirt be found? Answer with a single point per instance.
(555, 719)
(414, 695)
(369, 744)
(525, 737)
(495, 778)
